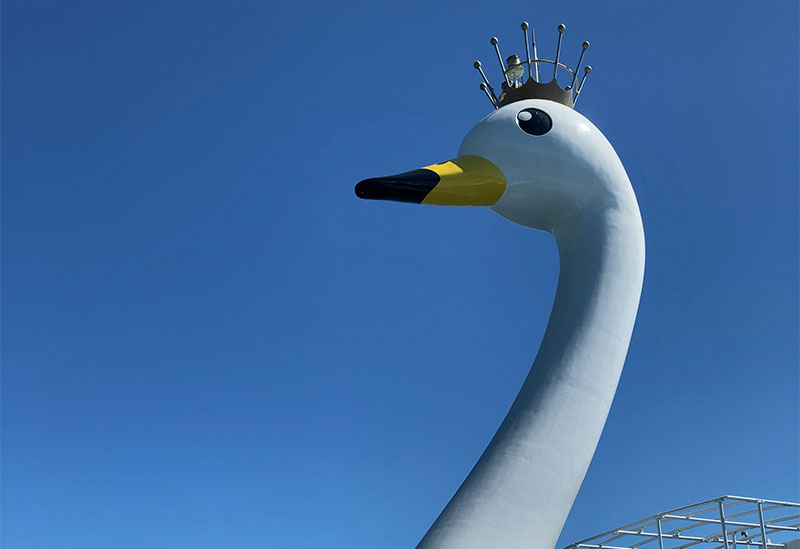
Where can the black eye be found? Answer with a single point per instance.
(534, 121)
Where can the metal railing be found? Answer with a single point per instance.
(726, 523)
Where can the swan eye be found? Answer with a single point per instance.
(534, 121)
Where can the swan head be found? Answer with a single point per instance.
(535, 162)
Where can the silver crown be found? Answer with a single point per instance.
(514, 89)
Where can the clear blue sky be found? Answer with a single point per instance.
(208, 341)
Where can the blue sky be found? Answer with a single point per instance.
(208, 341)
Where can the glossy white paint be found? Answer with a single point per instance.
(571, 183)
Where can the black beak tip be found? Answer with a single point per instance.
(364, 189)
(411, 186)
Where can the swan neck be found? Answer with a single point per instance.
(522, 488)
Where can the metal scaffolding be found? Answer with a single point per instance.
(726, 523)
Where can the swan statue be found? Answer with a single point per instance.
(537, 162)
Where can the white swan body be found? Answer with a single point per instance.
(569, 182)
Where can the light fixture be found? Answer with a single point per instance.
(515, 69)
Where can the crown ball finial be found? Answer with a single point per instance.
(494, 42)
(585, 45)
(586, 72)
(561, 28)
(490, 94)
(524, 25)
(485, 86)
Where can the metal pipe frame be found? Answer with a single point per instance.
(718, 521)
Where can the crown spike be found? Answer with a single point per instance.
(485, 89)
(524, 26)
(535, 56)
(561, 28)
(586, 72)
(494, 42)
(477, 65)
(584, 46)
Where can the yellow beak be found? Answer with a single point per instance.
(464, 181)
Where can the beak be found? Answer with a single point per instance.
(464, 181)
